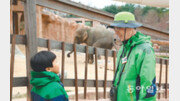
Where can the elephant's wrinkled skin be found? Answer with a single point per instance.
(95, 36)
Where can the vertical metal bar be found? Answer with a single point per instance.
(96, 71)
(31, 38)
(166, 79)
(160, 76)
(49, 45)
(12, 64)
(86, 71)
(75, 70)
(105, 72)
(63, 62)
(114, 61)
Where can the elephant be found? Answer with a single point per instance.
(94, 36)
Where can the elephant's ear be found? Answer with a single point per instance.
(85, 36)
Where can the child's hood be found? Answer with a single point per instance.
(43, 78)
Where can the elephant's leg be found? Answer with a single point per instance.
(99, 57)
(99, 44)
(91, 59)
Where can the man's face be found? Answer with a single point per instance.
(121, 33)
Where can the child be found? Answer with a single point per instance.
(44, 79)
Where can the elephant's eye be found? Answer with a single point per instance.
(77, 37)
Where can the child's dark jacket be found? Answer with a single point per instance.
(47, 87)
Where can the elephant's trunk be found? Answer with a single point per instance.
(68, 55)
(75, 42)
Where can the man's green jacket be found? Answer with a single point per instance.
(137, 82)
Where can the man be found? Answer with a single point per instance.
(135, 76)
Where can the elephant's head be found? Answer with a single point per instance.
(81, 35)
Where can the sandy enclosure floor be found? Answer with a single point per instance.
(20, 70)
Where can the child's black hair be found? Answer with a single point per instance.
(42, 60)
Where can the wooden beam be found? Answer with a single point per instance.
(15, 23)
(22, 81)
(86, 73)
(76, 9)
(17, 8)
(166, 80)
(49, 45)
(31, 38)
(155, 34)
(20, 39)
(75, 72)
(96, 72)
(95, 14)
(114, 62)
(105, 72)
(159, 42)
(14, 2)
(12, 64)
(63, 62)
(160, 77)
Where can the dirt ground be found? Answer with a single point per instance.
(20, 70)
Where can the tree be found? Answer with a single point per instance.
(111, 9)
(160, 11)
(157, 17)
(114, 9)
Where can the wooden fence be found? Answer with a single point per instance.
(52, 44)
(31, 42)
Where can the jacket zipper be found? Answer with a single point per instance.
(130, 93)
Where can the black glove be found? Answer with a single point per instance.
(113, 93)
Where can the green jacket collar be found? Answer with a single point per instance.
(43, 78)
(138, 38)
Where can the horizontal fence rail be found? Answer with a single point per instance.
(21, 39)
(22, 81)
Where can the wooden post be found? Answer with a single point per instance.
(96, 72)
(49, 45)
(63, 61)
(14, 2)
(75, 71)
(12, 64)
(166, 88)
(19, 21)
(160, 76)
(114, 61)
(31, 38)
(105, 72)
(15, 23)
(86, 71)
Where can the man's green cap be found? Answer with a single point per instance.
(125, 20)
